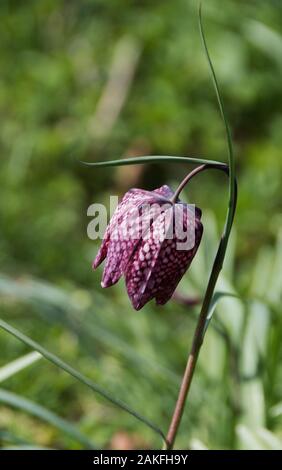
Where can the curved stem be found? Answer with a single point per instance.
(217, 265)
(198, 169)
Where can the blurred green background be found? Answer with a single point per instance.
(97, 80)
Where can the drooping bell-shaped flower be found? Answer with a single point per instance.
(151, 240)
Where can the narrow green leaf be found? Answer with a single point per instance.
(39, 411)
(19, 364)
(232, 177)
(215, 299)
(152, 159)
(78, 375)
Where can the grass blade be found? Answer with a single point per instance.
(232, 178)
(46, 296)
(19, 364)
(78, 375)
(39, 411)
(151, 159)
(215, 299)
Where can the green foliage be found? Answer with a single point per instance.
(58, 60)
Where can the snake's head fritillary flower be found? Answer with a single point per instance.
(151, 241)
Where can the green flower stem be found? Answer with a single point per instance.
(198, 169)
(217, 266)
